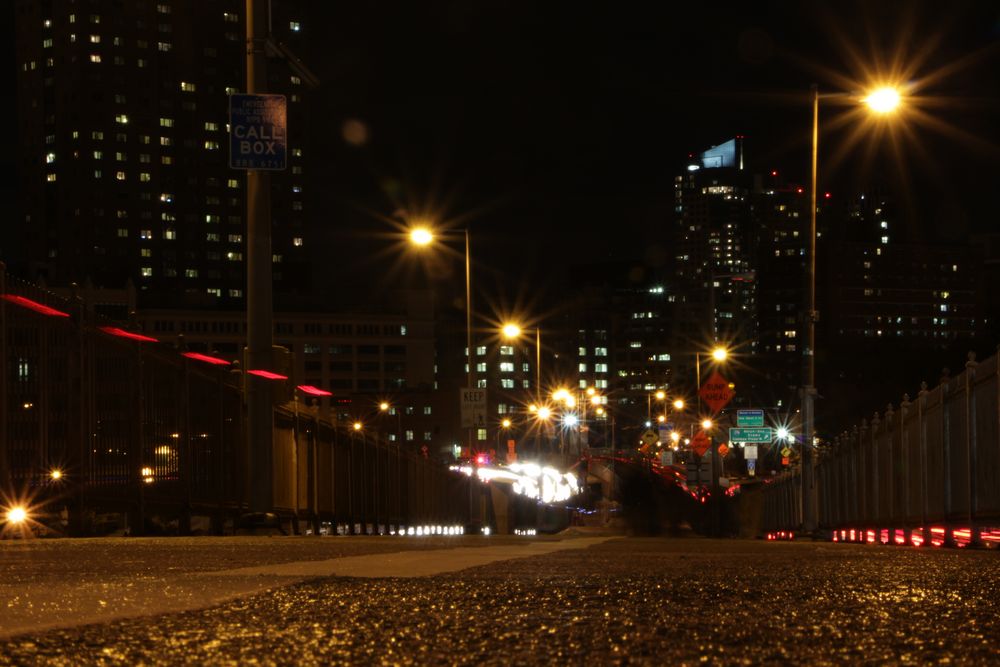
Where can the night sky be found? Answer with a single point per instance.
(554, 130)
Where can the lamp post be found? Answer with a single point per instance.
(881, 101)
(423, 236)
(512, 331)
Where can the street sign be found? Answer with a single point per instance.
(716, 392)
(665, 430)
(786, 452)
(751, 467)
(649, 437)
(473, 403)
(750, 452)
(258, 132)
(765, 434)
(750, 418)
(667, 457)
(723, 449)
(700, 443)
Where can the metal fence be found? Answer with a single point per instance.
(96, 425)
(927, 470)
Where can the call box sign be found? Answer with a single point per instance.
(258, 132)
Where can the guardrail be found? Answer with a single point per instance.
(97, 420)
(924, 472)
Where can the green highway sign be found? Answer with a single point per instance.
(750, 418)
(765, 434)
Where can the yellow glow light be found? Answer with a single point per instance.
(544, 413)
(720, 354)
(591, 391)
(17, 515)
(505, 423)
(55, 474)
(660, 395)
(357, 426)
(883, 100)
(560, 394)
(511, 330)
(595, 400)
(706, 424)
(675, 436)
(532, 408)
(421, 236)
(383, 406)
(678, 404)
(661, 418)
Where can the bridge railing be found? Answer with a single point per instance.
(95, 422)
(924, 470)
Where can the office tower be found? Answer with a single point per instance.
(123, 149)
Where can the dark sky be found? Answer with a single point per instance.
(554, 129)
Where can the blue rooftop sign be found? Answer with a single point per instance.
(258, 132)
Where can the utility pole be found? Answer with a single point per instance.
(260, 327)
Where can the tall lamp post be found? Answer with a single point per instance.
(512, 331)
(881, 101)
(423, 236)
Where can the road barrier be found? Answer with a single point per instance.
(97, 421)
(922, 472)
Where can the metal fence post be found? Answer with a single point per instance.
(975, 539)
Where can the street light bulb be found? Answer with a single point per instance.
(600, 412)
(720, 354)
(532, 408)
(16, 515)
(511, 330)
(505, 423)
(782, 433)
(570, 420)
(421, 236)
(660, 395)
(678, 404)
(357, 426)
(661, 419)
(560, 394)
(570, 402)
(595, 400)
(544, 413)
(706, 424)
(883, 100)
(56, 474)
(675, 436)
(591, 391)
(383, 406)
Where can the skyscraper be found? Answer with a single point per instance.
(123, 149)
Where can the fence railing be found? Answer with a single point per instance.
(96, 424)
(926, 470)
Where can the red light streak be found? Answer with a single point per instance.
(33, 305)
(121, 333)
(267, 375)
(197, 356)
(313, 391)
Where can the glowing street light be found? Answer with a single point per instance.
(679, 404)
(358, 426)
(421, 236)
(383, 406)
(511, 330)
(720, 354)
(544, 413)
(55, 474)
(883, 100)
(706, 424)
(505, 423)
(16, 515)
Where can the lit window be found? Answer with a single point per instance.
(95, 58)
(119, 175)
(166, 141)
(166, 122)
(236, 238)
(236, 293)
(211, 145)
(146, 252)
(163, 46)
(481, 367)
(166, 198)
(234, 256)
(230, 18)
(122, 233)
(144, 177)
(582, 368)
(297, 241)
(211, 127)
(50, 178)
(170, 234)
(50, 158)
(47, 43)
(163, 9)
(507, 350)
(147, 271)
(601, 368)
(146, 234)
(187, 87)
(506, 367)
(233, 183)
(600, 351)
(190, 273)
(294, 26)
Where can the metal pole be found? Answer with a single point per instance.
(260, 417)
(809, 360)
(538, 362)
(468, 329)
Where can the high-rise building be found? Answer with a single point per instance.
(714, 242)
(123, 169)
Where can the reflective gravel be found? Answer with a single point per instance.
(652, 601)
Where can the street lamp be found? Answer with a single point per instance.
(883, 100)
(512, 331)
(422, 236)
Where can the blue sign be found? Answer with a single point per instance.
(258, 132)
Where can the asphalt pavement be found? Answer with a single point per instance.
(575, 599)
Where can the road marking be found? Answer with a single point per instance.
(404, 564)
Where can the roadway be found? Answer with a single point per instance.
(581, 597)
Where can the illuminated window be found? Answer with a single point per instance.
(506, 350)
(170, 234)
(163, 46)
(211, 145)
(146, 252)
(163, 9)
(119, 175)
(166, 141)
(166, 122)
(187, 87)
(507, 383)
(50, 158)
(166, 198)
(234, 256)
(122, 233)
(506, 367)
(582, 368)
(297, 241)
(600, 351)
(95, 39)
(146, 234)
(144, 177)
(236, 293)
(95, 58)
(50, 178)
(211, 127)
(294, 26)
(236, 238)
(147, 271)
(601, 368)
(47, 43)
(190, 273)
(230, 18)
(481, 367)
